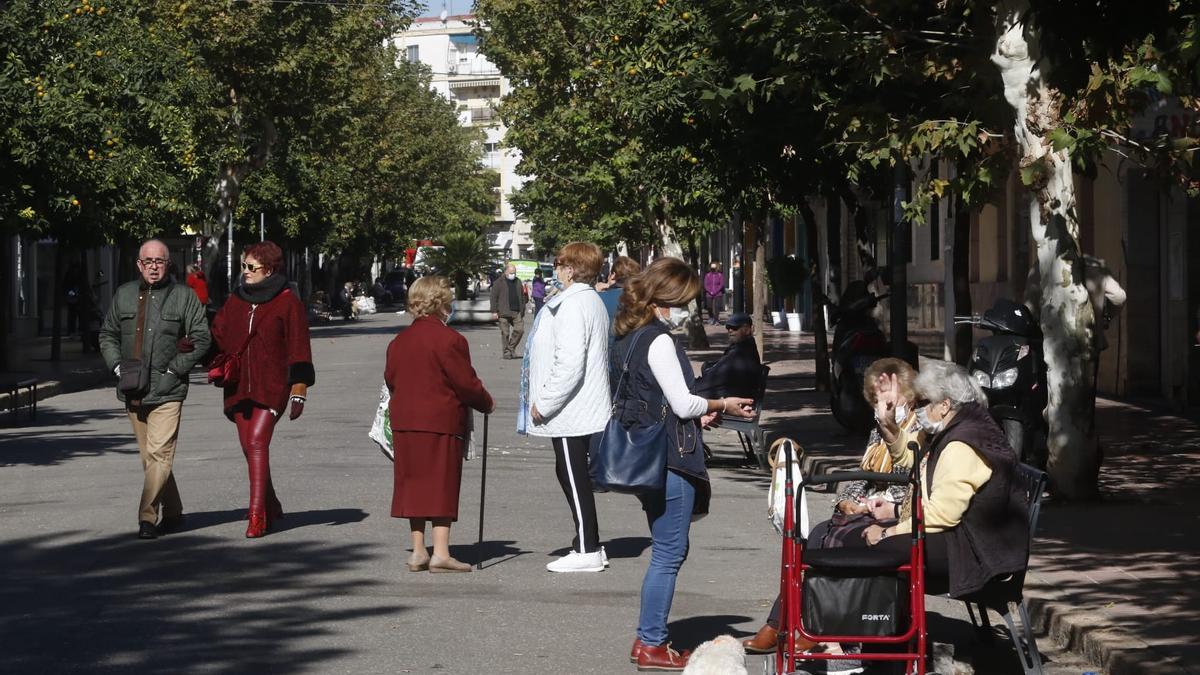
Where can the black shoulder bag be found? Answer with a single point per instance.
(631, 460)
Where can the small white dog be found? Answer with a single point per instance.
(723, 655)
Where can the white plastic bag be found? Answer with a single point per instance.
(365, 304)
(381, 428)
(776, 496)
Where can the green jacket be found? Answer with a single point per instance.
(170, 316)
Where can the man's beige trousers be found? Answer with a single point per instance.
(157, 428)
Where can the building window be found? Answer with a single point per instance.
(412, 53)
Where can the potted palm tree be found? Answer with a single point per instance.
(462, 257)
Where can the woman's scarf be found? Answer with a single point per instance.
(263, 291)
(523, 417)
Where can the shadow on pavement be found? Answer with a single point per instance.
(49, 440)
(181, 603)
(352, 328)
(199, 520)
(491, 550)
(694, 630)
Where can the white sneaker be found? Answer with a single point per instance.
(604, 557)
(578, 562)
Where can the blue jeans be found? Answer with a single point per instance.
(670, 516)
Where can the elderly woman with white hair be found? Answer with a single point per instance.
(976, 517)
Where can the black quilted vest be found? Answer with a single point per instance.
(645, 405)
(993, 537)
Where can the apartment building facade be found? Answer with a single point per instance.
(448, 47)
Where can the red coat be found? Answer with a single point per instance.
(430, 375)
(199, 286)
(277, 356)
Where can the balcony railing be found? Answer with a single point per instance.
(483, 116)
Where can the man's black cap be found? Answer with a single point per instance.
(738, 319)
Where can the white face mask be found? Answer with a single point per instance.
(677, 317)
(928, 424)
(901, 414)
(510, 277)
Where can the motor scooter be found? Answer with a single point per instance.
(858, 342)
(1010, 368)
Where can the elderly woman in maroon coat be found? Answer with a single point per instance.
(432, 382)
(265, 323)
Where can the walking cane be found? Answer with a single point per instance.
(482, 495)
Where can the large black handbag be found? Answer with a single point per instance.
(629, 459)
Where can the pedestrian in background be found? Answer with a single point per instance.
(568, 395)
(508, 300)
(198, 283)
(660, 378)
(623, 269)
(141, 343)
(431, 379)
(714, 293)
(266, 325)
(537, 290)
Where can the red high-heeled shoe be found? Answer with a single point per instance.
(257, 526)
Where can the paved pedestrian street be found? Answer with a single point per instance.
(327, 590)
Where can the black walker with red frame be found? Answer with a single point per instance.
(858, 572)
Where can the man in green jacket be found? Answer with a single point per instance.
(144, 331)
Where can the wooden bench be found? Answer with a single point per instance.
(14, 388)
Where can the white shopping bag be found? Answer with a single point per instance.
(776, 496)
(381, 428)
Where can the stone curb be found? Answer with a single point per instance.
(1083, 632)
(50, 388)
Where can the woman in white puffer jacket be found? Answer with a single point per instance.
(568, 394)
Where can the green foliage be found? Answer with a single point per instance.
(462, 256)
(121, 117)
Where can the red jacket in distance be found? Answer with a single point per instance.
(277, 356)
(199, 286)
(430, 376)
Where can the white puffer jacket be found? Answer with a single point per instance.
(568, 364)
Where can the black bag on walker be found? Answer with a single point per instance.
(855, 602)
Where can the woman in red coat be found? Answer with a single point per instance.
(266, 324)
(432, 382)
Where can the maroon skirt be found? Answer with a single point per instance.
(428, 472)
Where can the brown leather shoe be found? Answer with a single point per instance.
(767, 639)
(661, 659)
(637, 649)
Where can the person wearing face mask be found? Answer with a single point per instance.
(564, 392)
(888, 386)
(431, 380)
(266, 326)
(976, 520)
(660, 384)
(508, 298)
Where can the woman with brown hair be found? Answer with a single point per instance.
(564, 385)
(265, 325)
(659, 384)
(432, 383)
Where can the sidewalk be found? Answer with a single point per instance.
(1117, 580)
(73, 372)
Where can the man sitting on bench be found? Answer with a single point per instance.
(739, 370)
